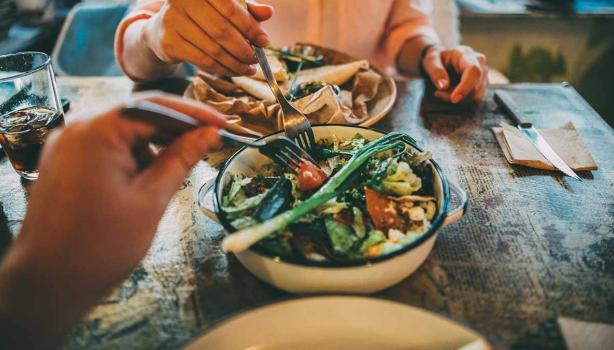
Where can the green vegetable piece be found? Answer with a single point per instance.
(326, 153)
(354, 197)
(375, 182)
(243, 222)
(359, 225)
(307, 56)
(402, 181)
(234, 212)
(277, 199)
(375, 237)
(355, 143)
(341, 236)
(235, 194)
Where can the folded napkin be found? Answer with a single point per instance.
(565, 141)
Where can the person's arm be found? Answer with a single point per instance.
(214, 35)
(135, 58)
(413, 42)
(91, 217)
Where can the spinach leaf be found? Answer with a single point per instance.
(311, 237)
(278, 198)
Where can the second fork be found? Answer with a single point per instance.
(296, 125)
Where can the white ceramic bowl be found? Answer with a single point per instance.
(367, 275)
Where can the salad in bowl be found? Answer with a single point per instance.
(386, 203)
(362, 218)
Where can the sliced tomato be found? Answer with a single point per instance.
(310, 176)
(382, 211)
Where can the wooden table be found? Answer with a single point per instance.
(534, 245)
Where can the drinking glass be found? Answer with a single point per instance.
(29, 108)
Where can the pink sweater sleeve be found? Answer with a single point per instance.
(143, 9)
(408, 19)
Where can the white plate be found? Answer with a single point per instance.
(338, 322)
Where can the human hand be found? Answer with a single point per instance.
(469, 65)
(91, 216)
(214, 35)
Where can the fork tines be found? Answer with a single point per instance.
(291, 158)
(306, 140)
(287, 153)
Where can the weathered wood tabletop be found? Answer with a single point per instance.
(533, 247)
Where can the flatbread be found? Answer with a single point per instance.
(250, 107)
(334, 74)
(278, 69)
(257, 88)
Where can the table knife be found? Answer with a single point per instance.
(505, 101)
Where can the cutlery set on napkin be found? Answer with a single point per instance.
(549, 149)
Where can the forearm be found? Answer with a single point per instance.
(139, 61)
(408, 58)
(37, 306)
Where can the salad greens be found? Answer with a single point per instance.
(303, 56)
(378, 198)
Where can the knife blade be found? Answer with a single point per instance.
(505, 101)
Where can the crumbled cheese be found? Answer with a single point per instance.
(416, 214)
(395, 235)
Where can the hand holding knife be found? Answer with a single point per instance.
(505, 101)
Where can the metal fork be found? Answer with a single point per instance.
(296, 125)
(281, 150)
(174, 123)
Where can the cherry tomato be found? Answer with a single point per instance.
(310, 177)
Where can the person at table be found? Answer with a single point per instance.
(91, 218)
(215, 36)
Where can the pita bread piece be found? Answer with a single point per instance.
(335, 74)
(278, 69)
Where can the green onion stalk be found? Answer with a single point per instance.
(243, 239)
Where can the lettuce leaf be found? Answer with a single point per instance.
(359, 225)
(374, 237)
(341, 236)
(238, 210)
(400, 179)
(235, 192)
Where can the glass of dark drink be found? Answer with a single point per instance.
(29, 108)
